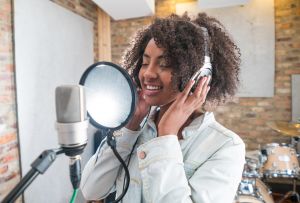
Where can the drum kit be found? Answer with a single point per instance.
(272, 161)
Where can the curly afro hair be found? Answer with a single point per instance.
(183, 42)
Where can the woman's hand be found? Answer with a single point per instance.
(183, 107)
(141, 111)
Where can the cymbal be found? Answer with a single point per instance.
(286, 128)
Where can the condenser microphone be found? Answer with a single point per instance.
(71, 125)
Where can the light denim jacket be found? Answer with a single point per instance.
(205, 166)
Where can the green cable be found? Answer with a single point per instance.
(74, 196)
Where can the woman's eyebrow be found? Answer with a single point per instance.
(159, 57)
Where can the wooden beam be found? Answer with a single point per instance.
(104, 38)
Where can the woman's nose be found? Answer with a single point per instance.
(151, 71)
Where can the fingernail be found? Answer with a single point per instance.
(208, 88)
(208, 79)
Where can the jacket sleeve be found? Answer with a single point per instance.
(164, 180)
(100, 172)
(218, 178)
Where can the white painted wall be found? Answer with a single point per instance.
(252, 26)
(53, 46)
(220, 3)
(125, 9)
(295, 98)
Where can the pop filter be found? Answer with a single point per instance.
(110, 95)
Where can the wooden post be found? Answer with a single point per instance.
(104, 38)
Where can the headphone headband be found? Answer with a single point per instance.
(206, 37)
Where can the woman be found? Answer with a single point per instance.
(181, 153)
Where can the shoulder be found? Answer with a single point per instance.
(213, 139)
(210, 131)
(222, 133)
(214, 145)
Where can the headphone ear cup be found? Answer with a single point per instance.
(182, 84)
(137, 81)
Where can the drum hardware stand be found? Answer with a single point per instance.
(293, 195)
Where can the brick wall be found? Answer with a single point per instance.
(9, 157)
(245, 116)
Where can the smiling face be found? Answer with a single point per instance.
(155, 76)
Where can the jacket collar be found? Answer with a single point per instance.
(197, 125)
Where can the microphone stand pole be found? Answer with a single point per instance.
(39, 166)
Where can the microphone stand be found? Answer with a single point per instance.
(39, 166)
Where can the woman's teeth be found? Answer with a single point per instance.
(151, 87)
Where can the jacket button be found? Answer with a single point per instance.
(142, 155)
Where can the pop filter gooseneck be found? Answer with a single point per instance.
(111, 98)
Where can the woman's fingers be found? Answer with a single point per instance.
(185, 93)
(202, 85)
(199, 95)
(141, 94)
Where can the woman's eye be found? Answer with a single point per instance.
(164, 65)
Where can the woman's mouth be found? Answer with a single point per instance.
(150, 90)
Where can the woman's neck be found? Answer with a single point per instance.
(159, 114)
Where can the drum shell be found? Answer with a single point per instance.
(280, 161)
(253, 164)
(259, 194)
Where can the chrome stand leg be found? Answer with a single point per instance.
(292, 195)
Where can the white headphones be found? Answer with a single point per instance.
(206, 69)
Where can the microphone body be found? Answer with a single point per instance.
(71, 125)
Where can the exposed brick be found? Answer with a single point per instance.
(3, 169)
(285, 26)
(250, 115)
(264, 103)
(7, 138)
(10, 156)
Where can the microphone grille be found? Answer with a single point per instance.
(70, 103)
